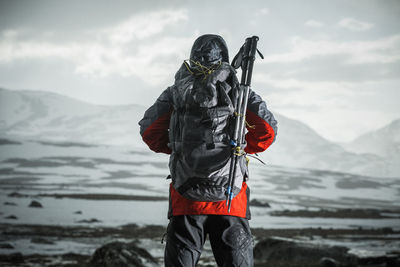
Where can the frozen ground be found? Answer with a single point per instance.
(45, 171)
(109, 186)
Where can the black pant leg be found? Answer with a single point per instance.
(185, 240)
(231, 240)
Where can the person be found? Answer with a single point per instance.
(193, 121)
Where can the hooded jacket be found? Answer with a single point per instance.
(178, 124)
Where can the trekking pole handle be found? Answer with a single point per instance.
(249, 57)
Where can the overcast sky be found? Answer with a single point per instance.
(334, 65)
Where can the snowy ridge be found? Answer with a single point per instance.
(49, 116)
(384, 141)
(297, 145)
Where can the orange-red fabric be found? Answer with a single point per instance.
(259, 138)
(156, 135)
(184, 206)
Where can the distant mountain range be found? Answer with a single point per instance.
(384, 142)
(48, 116)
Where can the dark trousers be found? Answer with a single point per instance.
(230, 239)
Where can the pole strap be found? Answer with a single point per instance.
(247, 124)
(201, 69)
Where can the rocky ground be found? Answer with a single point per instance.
(273, 247)
(93, 244)
(72, 204)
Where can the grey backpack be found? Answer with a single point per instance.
(201, 126)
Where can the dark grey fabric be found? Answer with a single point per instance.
(230, 239)
(208, 49)
(158, 109)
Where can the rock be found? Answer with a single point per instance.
(259, 203)
(4, 141)
(388, 260)
(15, 194)
(387, 230)
(41, 240)
(12, 217)
(78, 212)
(301, 253)
(14, 258)
(119, 254)
(10, 203)
(328, 262)
(35, 204)
(6, 246)
(92, 220)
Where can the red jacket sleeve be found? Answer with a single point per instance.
(156, 135)
(263, 126)
(259, 136)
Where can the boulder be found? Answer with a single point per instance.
(6, 246)
(259, 203)
(13, 258)
(10, 203)
(119, 254)
(92, 220)
(16, 194)
(12, 217)
(295, 253)
(35, 204)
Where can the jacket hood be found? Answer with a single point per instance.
(209, 49)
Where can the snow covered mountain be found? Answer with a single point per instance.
(297, 145)
(384, 141)
(48, 116)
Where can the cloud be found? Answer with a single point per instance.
(290, 93)
(11, 48)
(384, 50)
(146, 63)
(264, 11)
(132, 47)
(319, 88)
(314, 24)
(336, 110)
(354, 25)
(257, 17)
(145, 25)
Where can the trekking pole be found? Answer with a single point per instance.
(244, 59)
